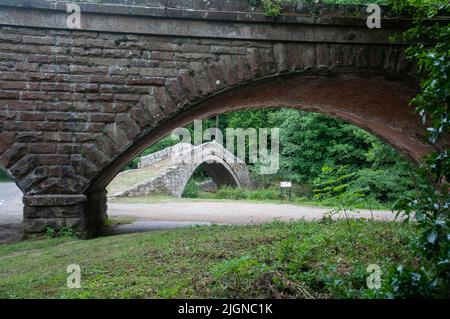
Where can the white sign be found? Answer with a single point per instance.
(286, 184)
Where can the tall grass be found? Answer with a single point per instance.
(242, 194)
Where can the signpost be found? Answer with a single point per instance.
(286, 186)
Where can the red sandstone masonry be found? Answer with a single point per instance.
(75, 106)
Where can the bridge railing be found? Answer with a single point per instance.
(188, 153)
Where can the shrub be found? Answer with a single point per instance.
(239, 277)
(237, 193)
(64, 232)
(191, 190)
(231, 193)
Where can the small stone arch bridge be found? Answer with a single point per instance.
(76, 105)
(168, 171)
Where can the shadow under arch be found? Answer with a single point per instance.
(220, 172)
(371, 102)
(221, 175)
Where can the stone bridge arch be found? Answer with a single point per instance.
(77, 105)
(177, 164)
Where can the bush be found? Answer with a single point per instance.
(64, 232)
(231, 193)
(191, 190)
(242, 193)
(385, 185)
(264, 194)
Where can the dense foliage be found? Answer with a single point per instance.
(430, 48)
(312, 144)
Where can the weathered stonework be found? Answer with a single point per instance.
(179, 162)
(77, 105)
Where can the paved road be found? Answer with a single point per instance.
(167, 215)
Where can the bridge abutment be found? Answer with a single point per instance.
(96, 208)
(85, 215)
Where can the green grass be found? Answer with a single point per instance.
(298, 259)
(210, 197)
(203, 197)
(272, 195)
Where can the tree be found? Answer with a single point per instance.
(430, 48)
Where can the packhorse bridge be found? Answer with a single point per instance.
(76, 105)
(168, 171)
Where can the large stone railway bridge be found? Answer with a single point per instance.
(77, 104)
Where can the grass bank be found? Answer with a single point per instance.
(301, 260)
(272, 195)
(208, 197)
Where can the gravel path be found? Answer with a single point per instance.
(228, 212)
(168, 215)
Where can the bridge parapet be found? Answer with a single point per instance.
(188, 153)
(164, 154)
(212, 19)
(236, 10)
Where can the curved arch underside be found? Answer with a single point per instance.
(373, 103)
(220, 175)
(220, 172)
